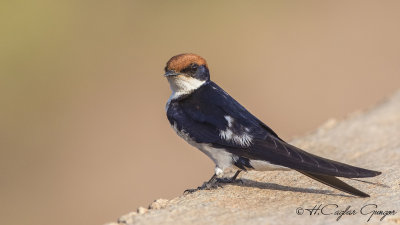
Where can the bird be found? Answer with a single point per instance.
(208, 118)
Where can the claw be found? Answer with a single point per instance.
(215, 183)
(190, 191)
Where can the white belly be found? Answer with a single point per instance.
(221, 158)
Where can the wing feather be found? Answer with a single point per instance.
(204, 120)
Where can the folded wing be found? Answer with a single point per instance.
(224, 123)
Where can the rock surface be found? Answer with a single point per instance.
(369, 139)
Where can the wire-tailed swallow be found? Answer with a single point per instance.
(208, 118)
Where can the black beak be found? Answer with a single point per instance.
(171, 73)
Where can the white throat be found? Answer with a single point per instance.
(183, 85)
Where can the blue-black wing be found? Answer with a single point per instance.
(209, 111)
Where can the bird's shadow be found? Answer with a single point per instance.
(278, 187)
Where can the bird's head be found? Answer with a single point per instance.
(186, 73)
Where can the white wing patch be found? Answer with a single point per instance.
(229, 120)
(243, 139)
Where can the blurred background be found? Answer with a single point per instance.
(83, 132)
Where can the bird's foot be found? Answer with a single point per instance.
(215, 183)
(206, 186)
(231, 180)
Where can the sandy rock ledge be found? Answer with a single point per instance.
(369, 139)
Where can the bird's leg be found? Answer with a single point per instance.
(236, 175)
(232, 179)
(210, 184)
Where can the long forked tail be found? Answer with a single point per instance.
(335, 183)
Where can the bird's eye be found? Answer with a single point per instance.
(194, 66)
